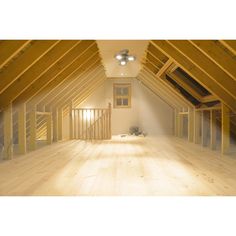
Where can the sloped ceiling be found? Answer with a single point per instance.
(108, 48)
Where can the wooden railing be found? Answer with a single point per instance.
(91, 123)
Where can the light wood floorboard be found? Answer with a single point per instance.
(122, 166)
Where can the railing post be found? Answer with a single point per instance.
(71, 120)
(109, 114)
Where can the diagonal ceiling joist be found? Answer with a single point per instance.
(83, 60)
(54, 71)
(9, 49)
(155, 88)
(84, 93)
(205, 64)
(88, 92)
(153, 60)
(84, 81)
(57, 90)
(167, 85)
(230, 45)
(199, 75)
(73, 87)
(16, 68)
(35, 71)
(169, 89)
(218, 55)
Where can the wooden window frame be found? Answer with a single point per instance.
(115, 97)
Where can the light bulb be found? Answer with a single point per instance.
(118, 57)
(123, 63)
(131, 58)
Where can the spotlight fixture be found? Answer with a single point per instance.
(123, 57)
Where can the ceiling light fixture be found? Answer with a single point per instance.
(123, 57)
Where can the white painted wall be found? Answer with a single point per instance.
(155, 116)
(147, 111)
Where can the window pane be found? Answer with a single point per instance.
(122, 91)
(125, 101)
(119, 102)
(125, 91)
(118, 91)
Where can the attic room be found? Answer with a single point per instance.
(117, 117)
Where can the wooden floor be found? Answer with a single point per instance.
(122, 166)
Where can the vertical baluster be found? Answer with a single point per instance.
(99, 120)
(93, 123)
(74, 114)
(102, 134)
(78, 114)
(109, 107)
(82, 133)
(86, 120)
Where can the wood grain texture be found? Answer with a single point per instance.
(122, 166)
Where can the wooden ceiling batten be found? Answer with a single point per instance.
(35, 71)
(24, 62)
(230, 45)
(66, 79)
(66, 93)
(218, 55)
(9, 49)
(54, 71)
(206, 65)
(62, 76)
(195, 72)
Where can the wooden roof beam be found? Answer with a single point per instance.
(75, 81)
(155, 88)
(84, 88)
(170, 90)
(205, 64)
(35, 71)
(100, 81)
(78, 65)
(70, 78)
(15, 69)
(230, 45)
(153, 60)
(164, 68)
(174, 91)
(218, 55)
(201, 77)
(54, 71)
(185, 86)
(157, 54)
(10, 48)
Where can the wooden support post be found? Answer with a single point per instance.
(213, 129)
(8, 133)
(197, 126)
(49, 129)
(175, 122)
(109, 107)
(22, 128)
(225, 129)
(205, 128)
(60, 123)
(33, 130)
(190, 125)
(180, 125)
(82, 129)
(71, 126)
(55, 125)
